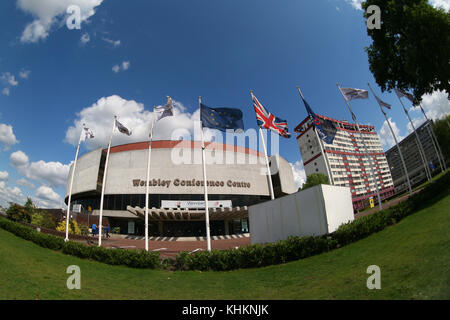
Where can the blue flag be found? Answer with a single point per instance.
(325, 128)
(221, 118)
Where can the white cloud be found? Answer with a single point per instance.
(4, 175)
(299, 173)
(417, 122)
(47, 194)
(115, 43)
(9, 79)
(435, 3)
(25, 183)
(7, 136)
(8, 194)
(445, 4)
(85, 38)
(24, 74)
(125, 66)
(355, 4)
(386, 138)
(18, 159)
(48, 13)
(435, 105)
(54, 173)
(116, 68)
(100, 116)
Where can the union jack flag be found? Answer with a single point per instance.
(267, 120)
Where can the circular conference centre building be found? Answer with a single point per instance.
(236, 179)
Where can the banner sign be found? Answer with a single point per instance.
(170, 204)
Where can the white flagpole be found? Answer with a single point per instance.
(272, 196)
(208, 236)
(419, 144)
(148, 180)
(71, 184)
(103, 185)
(396, 143)
(269, 176)
(375, 179)
(436, 145)
(322, 147)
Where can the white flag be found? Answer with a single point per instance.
(166, 111)
(122, 128)
(382, 103)
(88, 134)
(352, 93)
(401, 94)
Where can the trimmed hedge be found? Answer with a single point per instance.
(130, 258)
(295, 248)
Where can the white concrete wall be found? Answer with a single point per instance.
(86, 173)
(315, 211)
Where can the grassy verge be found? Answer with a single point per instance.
(413, 255)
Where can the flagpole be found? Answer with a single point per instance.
(419, 144)
(322, 147)
(436, 145)
(104, 183)
(205, 188)
(365, 148)
(396, 143)
(148, 179)
(71, 184)
(272, 195)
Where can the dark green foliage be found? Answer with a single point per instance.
(294, 248)
(412, 48)
(18, 213)
(442, 131)
(42, 218)
(27, 233)
(315, 179)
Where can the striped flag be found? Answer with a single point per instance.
(382, 103)
(165, 111)
(352, 93)
(400, 94)
(267, 120)
(122, 128)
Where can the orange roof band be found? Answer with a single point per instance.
(169, 144)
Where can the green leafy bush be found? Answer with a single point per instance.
(27, 233)
(295, 248)
(18, 213)
(43, 219)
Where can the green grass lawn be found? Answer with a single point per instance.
(414, 257)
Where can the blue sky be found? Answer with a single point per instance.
(135, 53)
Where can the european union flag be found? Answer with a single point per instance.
(221, 118)
(325, 128)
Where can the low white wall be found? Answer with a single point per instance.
(315, 211)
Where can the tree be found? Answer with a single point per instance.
(441, 129)
(29, 206)
(18, 213)
(315, 179)
(412, 48)
(42, 218)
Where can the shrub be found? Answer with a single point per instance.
(43, 219)
(73, 227)
(27, 233)
(18, 213)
